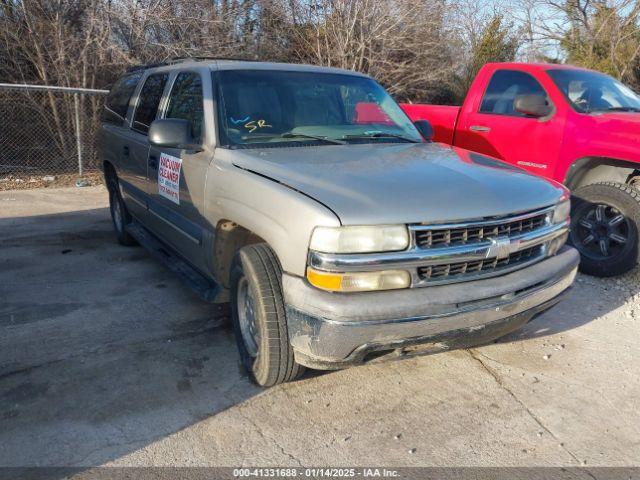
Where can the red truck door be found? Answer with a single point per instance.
(490, 124)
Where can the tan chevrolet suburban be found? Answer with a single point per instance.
(337, 231)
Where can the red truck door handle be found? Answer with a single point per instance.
(479, 128)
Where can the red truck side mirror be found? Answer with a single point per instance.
(533, 105)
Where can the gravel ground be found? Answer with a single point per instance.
(105, 359)
(23, 181)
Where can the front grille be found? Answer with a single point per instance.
(450, 253)
(448, 237)
(452, 271)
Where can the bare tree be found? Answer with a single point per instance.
(419, 50)
(401, 43)
(485, 33)
(599, 34)
(55, 43)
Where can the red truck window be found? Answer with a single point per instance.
(594, 92)
(504, 87)
(370, 113)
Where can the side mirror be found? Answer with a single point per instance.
(172, 133)
(533, 105)
(425, 129)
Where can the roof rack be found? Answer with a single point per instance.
(173, 61)
(205, 58)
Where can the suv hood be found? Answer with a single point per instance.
(402, 183)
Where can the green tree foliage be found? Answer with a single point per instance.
(497, 42)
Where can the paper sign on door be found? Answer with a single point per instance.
(169, 177)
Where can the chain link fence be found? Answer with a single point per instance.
(48, 134)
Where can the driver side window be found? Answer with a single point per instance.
(504, 87)
(186, 103)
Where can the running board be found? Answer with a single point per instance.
(202, 286)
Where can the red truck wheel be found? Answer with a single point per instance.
(604, 219)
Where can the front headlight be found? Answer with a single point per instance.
(358, 239)
(562, 211)
(359, 281)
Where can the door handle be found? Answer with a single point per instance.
(125, 151)
(153, 162)
(479, 128)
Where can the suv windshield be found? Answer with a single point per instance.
(269, 108)
(594, 92)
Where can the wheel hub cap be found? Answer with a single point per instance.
(602, 232)
(247, 318)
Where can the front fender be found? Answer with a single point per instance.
(281, 216)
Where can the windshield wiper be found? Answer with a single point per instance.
(616, 109)
(381, 135)
(312, 137)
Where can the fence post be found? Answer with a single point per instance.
(76, 106)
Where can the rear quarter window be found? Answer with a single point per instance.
(117, 102)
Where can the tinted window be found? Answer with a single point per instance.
(594, 92)
(185, 102)
(259, 107)
(150, 96)
(117, 101)
(504, 87)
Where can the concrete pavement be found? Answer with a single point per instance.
(106, 359)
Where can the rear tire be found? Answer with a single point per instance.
(119, 214)
(259, 318)
(604, 228)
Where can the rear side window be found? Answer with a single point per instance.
(185, 102)
(504, 87)
(148, 103)
(117, 102)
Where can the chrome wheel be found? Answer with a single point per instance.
(602, 232)
(247, 318)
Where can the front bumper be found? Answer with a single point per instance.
(333, 330)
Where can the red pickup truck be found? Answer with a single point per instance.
(568, 124)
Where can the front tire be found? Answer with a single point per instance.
(604, 228)
(259, 318)
(119, 214)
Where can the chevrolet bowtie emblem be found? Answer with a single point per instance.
(500, 248)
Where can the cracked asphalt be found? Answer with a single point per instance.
(106, 359)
